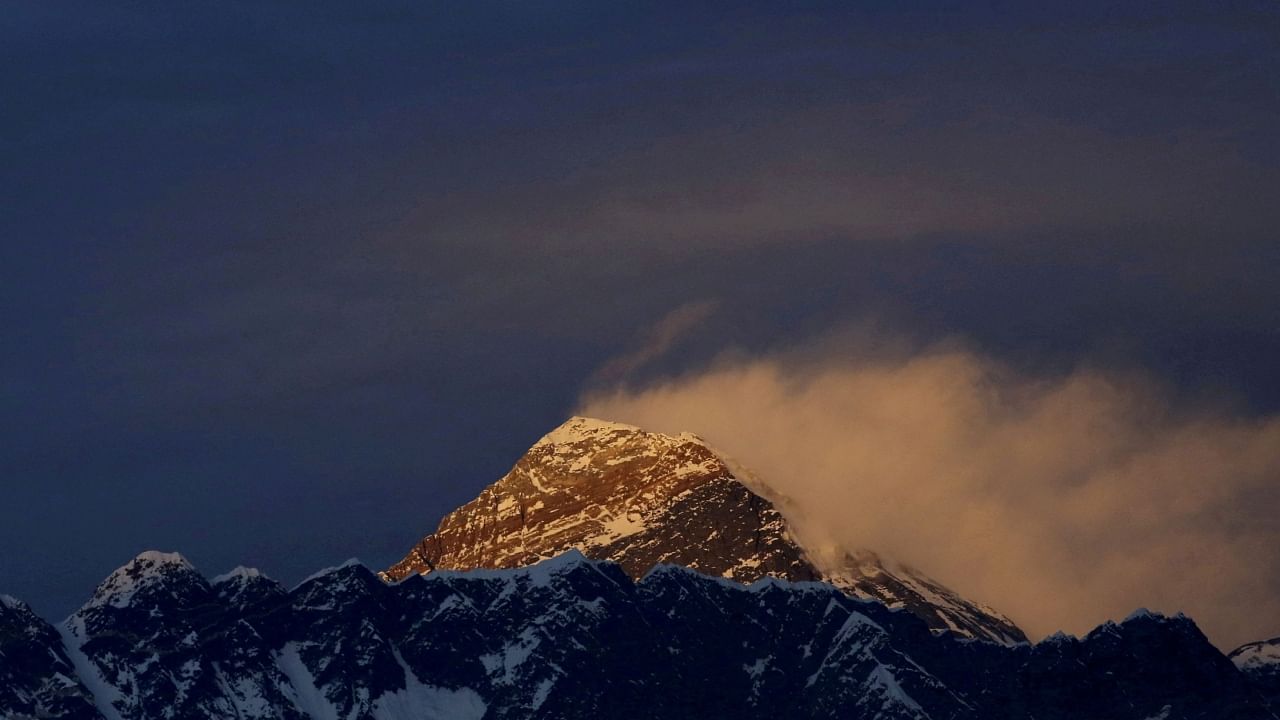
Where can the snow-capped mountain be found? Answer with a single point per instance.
(572, 638)
(639, 498)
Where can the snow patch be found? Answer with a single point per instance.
(306, 696)
(240, 572)
(540, 695)
(1142, 613)
(541, 572)
(577, 429)
(1257, 654)
(156, 557)
(104, 694)
(887, 685)
(504, 664)
(419, 701)
(246, 697)
(329, 570)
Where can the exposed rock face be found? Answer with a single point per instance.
(37, 678)
(618, 493)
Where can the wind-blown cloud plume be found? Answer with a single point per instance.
(1063, 501)
(660, 338)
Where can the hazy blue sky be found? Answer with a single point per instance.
(282, 282)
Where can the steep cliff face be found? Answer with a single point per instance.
(618, 493)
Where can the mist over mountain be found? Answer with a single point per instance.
(1063, 498)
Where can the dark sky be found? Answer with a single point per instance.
(283, 282)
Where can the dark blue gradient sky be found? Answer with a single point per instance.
(282, 282)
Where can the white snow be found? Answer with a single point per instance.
(577, 429)
(104, 694)
(239, 572)
(321, 573)
(756, 671)
(540, 696)
(11, 602)
(246, 697)
(851, 639)
(1142, 613)
(855, 623)
(450, 603)
(887, 685)
(617, 527)
(504, 665)
(120, 586)
(306, 696)
(541, 572)
(419, 701)
(1257, 654)
(162, 558)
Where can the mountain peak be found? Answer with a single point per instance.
(618, 492)
(588, 484)
(145, 570)
(579, 429)
(587, 453)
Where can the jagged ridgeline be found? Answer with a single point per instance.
(612, 573)
(572, 638)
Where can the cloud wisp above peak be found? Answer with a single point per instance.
(660, 338)
(1063, 501)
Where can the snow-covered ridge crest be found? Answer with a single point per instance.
(539, 574)
(9, 602)
(348, 563)
(581, 434)
(1264, 654)
(238, 573)
(578, 429)
(1144, 613)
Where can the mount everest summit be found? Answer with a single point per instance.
(639, 498)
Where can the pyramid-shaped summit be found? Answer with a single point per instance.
(616, 492)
